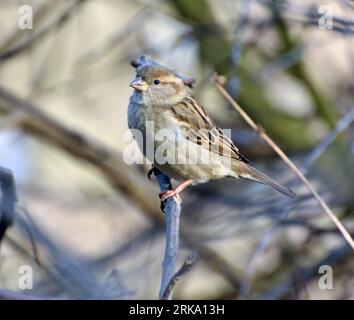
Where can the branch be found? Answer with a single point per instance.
(341, 126)
(109, 44)
(7, 203)
(310, 160)
(66, 270)
(219, 83)
(173, 210)
(186, 267)
(40, 10)
(110, 163)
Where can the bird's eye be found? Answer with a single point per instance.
(143, 78)
(156, 81)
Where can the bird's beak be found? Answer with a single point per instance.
(139, 84)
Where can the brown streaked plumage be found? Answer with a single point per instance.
(161, 97)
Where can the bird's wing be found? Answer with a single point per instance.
(197, 127)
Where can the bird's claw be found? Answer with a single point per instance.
(163, 206)
(150, 172)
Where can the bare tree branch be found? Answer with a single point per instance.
(310, 160)
(186, 267)
(341, 126)
(173, 211)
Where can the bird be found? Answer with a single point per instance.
(186, 145)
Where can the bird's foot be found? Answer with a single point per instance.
(151, 171)
(166, 195)
(173, 193)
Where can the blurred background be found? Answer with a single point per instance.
(90, 226)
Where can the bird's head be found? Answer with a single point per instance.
(159, 85)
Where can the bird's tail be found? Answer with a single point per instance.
(248, 172)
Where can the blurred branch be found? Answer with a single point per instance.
(110, 163)
(186, 267)
(341, 126)
(214, 46)
(64, 269)
(8, 199)
(132, 26)
(283, 290)
(310, 16)
(238, 42)
(30, 40)
(323, 104)
(219, 81)
(40, 9)
(13, 295)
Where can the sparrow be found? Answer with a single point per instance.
(187, 145)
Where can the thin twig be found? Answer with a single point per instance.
(186, 267)
(219, 82)
(341, 126)
(310, 160)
